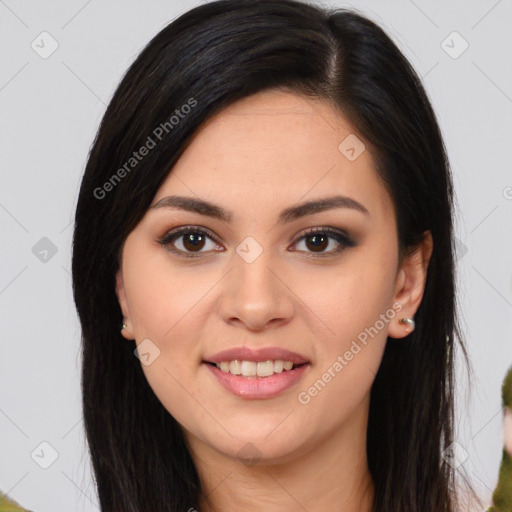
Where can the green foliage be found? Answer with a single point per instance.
(506, 390)
(7, 505)
(502, 496)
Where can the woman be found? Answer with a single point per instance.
(264, 274)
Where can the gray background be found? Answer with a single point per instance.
(50, 110)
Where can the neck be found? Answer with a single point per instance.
(330, 475)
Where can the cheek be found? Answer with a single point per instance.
(164, 308)
(355, 306)
(357, 314)
(181, 397)
(353, 300)
(169, 306)
(161, 296)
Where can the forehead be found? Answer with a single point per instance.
(276, 147)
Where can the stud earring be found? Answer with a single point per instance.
(123, 325)
(408, 322)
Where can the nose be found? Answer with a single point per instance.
(255, 294)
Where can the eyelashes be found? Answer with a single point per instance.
(200, 234)
(193, 237)
(319, 235)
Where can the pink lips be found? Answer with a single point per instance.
(256, 355)
(257, 387)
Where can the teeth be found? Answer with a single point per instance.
(265, 369)
(235, 367)
(251, 368)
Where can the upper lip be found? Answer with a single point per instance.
(256, 355)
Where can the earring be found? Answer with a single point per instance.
(123, 325)
(408, 321)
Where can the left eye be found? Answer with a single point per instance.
(319, 240)
(189, 241)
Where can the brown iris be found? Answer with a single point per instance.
(193, 241)
(319, 242)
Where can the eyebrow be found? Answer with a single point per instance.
(290, 214)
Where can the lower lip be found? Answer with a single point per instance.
(258, 387)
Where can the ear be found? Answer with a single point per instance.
(410, 284)
(123, 303)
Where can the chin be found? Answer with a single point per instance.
(260, 450)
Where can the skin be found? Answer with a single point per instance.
(257, 157)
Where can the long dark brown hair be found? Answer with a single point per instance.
(208, 58)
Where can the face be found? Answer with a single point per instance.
(252, 274)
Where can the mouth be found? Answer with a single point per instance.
(256, 379)
(256, 369)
